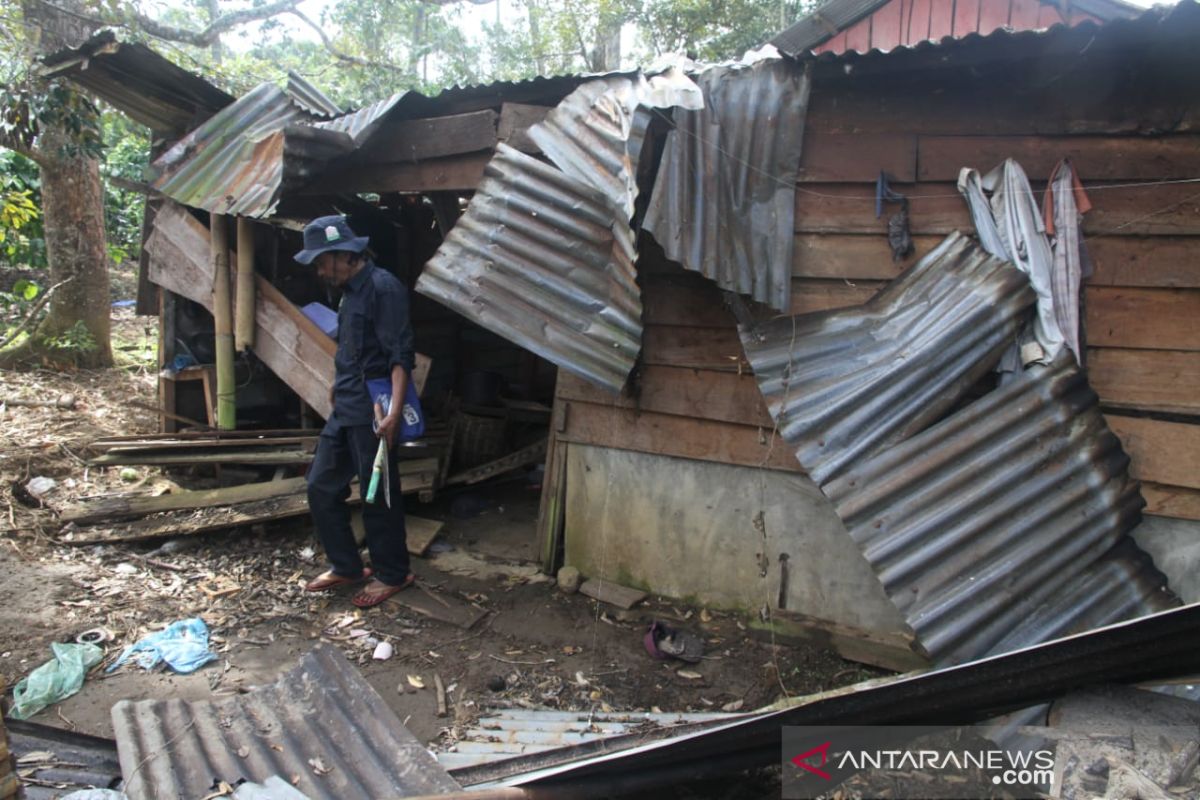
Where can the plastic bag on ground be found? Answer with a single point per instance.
(183, 645)
(55, 680)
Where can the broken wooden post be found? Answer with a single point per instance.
(223, 324)
(244, 327)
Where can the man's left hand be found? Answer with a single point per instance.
(388, 427)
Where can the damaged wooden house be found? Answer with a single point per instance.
(895, 349)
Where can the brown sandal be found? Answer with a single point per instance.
(331, 580)
(369, 599)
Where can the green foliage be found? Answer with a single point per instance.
(74, 340)
(21, 238)
(16, 304)
(126, 154)
(28, 107)
(715, 30)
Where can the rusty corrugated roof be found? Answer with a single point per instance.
(999, 523)
(233, 163)
(844, 384)
(724, 200)
(138, 81)
(321, 710)
(545, 261)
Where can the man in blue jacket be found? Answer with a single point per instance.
(375, 340)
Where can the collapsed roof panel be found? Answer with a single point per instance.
(310, 98)
(320, 724)
(724, 201)
(992, 513)
(844, 384)
(596, 133)
(233, 163)
(545, 261)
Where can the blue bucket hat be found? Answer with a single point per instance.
(329, 233)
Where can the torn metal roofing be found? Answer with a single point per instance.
(134, 79)
(545, 261)
(309, 97)
(1154, 648)
(502, 734)
(321, 710)
(233, 163)
(979, 526)
(844, 384)
(723, 203)
(360, 125)
(54, 761)
(595, 134)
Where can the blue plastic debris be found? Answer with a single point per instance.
(183, 645)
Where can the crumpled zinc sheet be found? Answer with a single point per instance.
(1010, 225)
(56, 680)
(183, 645)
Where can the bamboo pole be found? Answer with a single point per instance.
(223, 323)
(244, 324)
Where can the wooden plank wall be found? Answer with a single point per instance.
(694, 397)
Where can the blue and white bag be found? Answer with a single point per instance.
(412, 419)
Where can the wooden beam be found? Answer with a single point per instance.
(533, 453)
(412, 140)
(121, 507)
(696, 394)
(714, 349)
(1146, 380)
(1154, 319)
(843, 157)
(1162, 452)
(937, 208)
(666, 434)
(454, 173)
(515, 121)
(1171, 501)
(1096, 158)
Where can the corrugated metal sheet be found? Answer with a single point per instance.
(321, 709)
(979, 526)
(233, 163)
(138, 81)
(724, 200)
(861, 25)
(73, 761)
(505, 733)
(545, 261)
(359, 125)
(844, 384)
(1150, 649)
(310, 98)
(596, 133)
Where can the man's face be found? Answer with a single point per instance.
(334, 267)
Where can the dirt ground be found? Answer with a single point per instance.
(535, 647)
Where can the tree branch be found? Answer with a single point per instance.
(33, 312)
(218, 26)
(338, 54)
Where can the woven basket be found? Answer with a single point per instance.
(478, 439)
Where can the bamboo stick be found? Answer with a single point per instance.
(223, 323)
(244, 324)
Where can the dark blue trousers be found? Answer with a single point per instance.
(341, 455)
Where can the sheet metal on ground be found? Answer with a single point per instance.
(321, 709)
(980, 526)
(133, 78)
(844, 384)
(724, 201)
(504, 733)
(1159, 647)
(546, 261)
(76, 760)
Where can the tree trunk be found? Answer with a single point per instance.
(73, 208)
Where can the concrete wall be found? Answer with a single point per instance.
(1174, 544)
(685, 528)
